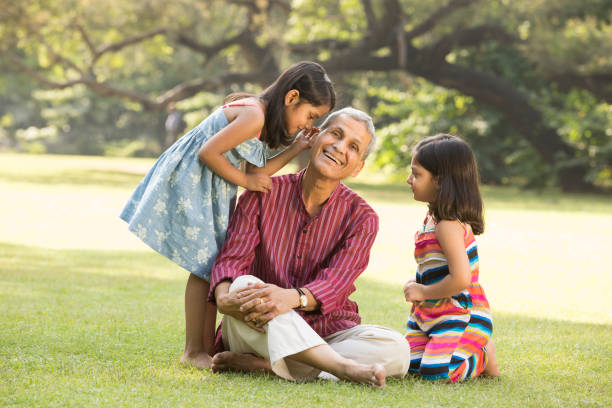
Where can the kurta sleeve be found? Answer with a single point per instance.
(335, 282)
(238, 251)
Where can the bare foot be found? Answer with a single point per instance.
(373, 375)
(199, 360)
(491, 368)
(230, 361)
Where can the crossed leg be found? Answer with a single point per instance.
(289, 348)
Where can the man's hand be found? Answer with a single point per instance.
(414, 292)
(231, 303)
(263, 302)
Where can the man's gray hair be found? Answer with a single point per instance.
(358, 116)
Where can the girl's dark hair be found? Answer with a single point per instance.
(451, 162)
(314, 86)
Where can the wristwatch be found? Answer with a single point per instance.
(303, 298)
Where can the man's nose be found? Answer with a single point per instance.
(340, 146)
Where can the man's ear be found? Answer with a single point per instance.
(358, 169)
(292, 97)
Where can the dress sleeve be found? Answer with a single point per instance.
(238, 251)
(253, 151)
(335, 282)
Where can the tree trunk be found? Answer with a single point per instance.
(527, 120)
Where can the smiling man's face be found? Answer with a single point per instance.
(338, 151)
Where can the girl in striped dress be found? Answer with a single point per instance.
(450, 327)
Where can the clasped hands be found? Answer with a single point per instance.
(258, 303)
(413, 291)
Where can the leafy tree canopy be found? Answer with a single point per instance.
(527, 82)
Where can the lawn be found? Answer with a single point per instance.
(89, 316)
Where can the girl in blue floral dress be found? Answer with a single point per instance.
(182, 207)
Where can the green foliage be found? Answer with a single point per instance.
(558, 38)
(403, 118)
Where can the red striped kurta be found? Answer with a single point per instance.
(271, 236)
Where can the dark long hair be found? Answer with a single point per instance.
(314, 86)
(451, 162)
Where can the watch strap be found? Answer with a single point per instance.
(302, 295)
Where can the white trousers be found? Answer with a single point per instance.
(289, 334)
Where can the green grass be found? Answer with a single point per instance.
(90, 316)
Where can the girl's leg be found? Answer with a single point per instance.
(491, 369)
(418, 341)
(210, 322)
(470, 359)
(437, 357)
(196, 294)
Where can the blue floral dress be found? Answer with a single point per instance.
(181, 208)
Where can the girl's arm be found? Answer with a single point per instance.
(246, 125)
(301, 143)
(450, 235)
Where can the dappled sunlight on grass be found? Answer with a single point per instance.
(85, 265)
(77, 177)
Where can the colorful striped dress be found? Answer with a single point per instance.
(447, 336)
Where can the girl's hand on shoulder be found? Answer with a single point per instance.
(414, 292)
(305, 138)
(258, 182)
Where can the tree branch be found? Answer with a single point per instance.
(315, 46)
(85, 36)
(254, 7)
(209, 50)
(98, 87)
(598, 84)
(358, 62)
(23, 67)
(369, 13)
(437, 16)
(468, 37)
(128, 41)
(60, 58)
(190, 88)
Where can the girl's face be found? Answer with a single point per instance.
(423, 183)
(300, 116)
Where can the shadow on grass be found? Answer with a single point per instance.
(78, 177)
(107, 318)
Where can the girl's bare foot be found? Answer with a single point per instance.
(373, 375)
(199, 360)
(230, 361)
(491, 368)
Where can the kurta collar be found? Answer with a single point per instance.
(330, 201)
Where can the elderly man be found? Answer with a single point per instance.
(288, 266)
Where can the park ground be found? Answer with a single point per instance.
(90, 316)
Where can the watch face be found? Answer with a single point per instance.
(303, 300)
